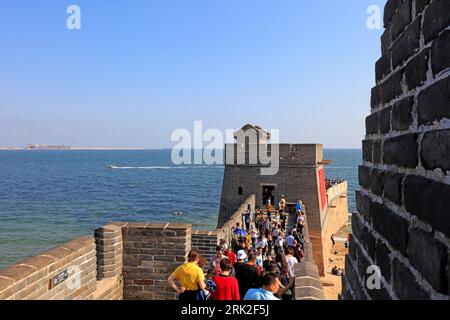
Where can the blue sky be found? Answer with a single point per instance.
(139, 69)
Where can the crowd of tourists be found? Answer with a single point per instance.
(257, 264)
(329, 183)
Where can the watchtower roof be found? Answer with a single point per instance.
(262, 134)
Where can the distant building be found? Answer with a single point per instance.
(31, 146)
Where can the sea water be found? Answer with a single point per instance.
(49, 197)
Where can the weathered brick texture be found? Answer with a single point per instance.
(109, 251)
(428, 200)
(30, 279)
(432, 103)
(225, 231)
(402, 223)
(109, 289)
(205, 242)
(151, 253)
(401, 114)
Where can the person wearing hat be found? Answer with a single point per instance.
(240, 256)
(269, 204)
(246, 272)
(239, 264)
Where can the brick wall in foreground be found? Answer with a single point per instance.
(403, 219)
(205, 242)
(151, 252)
(109, 245)
(30, 279)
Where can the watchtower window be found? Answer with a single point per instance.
(240, 191)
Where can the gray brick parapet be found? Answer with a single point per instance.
(109, 246)
(151, 253)
(308, 285)
(225, 231)
(205, 242)
(33, 278)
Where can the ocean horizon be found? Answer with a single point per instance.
(49, 197)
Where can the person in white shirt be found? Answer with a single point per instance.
(262, 242)
(275, 232)
(260, 257)
(224, 245)
(300, 219)
(291, 261)
(290, 240)
(279, 241)
(300, 222)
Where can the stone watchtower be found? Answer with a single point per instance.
(300, 174)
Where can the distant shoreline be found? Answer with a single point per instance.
(106, 149)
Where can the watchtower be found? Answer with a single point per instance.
(300, 175)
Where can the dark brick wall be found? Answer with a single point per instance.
(402, 223)
(151, 252)
(205, 242)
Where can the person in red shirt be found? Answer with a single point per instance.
(227, 285)
(231, 255)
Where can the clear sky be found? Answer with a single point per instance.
(139, 69)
